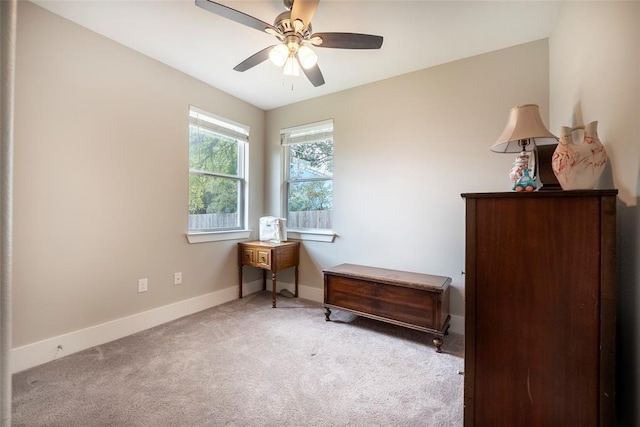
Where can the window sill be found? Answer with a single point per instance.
(217, 236)
(326, 236)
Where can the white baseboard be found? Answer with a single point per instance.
(457, 324)
(44, 351)
(311, 293)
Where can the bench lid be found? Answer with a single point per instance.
(392, 277)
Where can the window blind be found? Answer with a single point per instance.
(315, 132)
(222, 127)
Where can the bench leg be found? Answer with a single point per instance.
(327, 313)
(437, 341)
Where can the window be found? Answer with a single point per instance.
(217, 152)
(309, 175)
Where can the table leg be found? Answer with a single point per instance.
(240, 271)
(296, 294)
(264, 280)
(273, 290)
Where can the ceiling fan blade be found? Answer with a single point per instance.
(304, 11)
(254, 59)
(314, 75)
(348, 40)
(234, 15)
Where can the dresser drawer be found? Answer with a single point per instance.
(248, 256)
(264, 258)
(256, 257)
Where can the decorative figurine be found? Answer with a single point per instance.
(524, 183)
(521, 163)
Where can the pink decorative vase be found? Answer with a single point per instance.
(579, 166)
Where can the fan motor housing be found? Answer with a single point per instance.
(285, 26)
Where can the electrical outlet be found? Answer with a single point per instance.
(143, 285)
(177, 278)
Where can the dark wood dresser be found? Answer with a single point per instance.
(540, 309)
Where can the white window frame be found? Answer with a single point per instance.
(298, 135)
(240, 133)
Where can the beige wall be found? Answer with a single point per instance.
(405, 149)
(101, 178)
(595, 76)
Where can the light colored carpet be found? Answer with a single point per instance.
(245, 364)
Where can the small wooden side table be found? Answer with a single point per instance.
(269, 256)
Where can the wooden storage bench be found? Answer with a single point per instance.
(414, 300)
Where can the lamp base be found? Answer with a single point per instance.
(545, 175)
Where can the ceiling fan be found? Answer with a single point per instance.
(292, 28)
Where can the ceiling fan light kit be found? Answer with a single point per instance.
(291, 67)
(293, 30)
(307, 57)
(278, 55)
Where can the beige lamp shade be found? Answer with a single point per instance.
(524, 131)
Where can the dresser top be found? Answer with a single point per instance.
(550, 193)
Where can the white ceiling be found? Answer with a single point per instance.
(417, 35)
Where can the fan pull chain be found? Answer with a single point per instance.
(284, 82)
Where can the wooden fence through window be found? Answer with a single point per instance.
(300, 219)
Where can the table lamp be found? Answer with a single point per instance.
(525, 132)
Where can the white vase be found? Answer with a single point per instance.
(578, 166)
